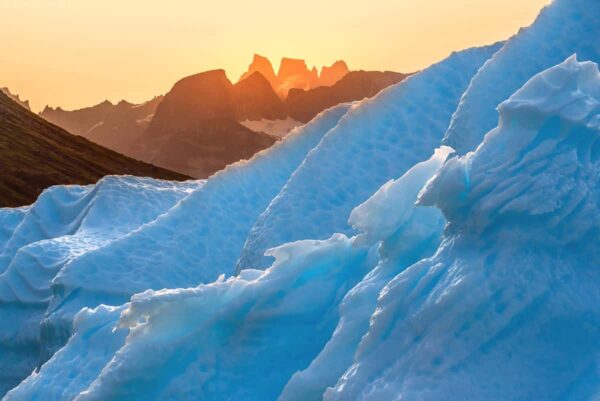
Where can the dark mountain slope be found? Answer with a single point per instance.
(303, 105)
(35, 154)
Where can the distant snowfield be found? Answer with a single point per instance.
(278, 128)
(397, 268)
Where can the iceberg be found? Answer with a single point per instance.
(563, 28)
(241, 337)
(196, 241)
(402, 234)
(258, 326)
(507, 308)
(500, 304)
(10, 218)
(67, 250)
(504, 308)
(378, 140)
(358, 259)
(65, 223)
(94, 342)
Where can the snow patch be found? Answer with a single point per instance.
(278, 128)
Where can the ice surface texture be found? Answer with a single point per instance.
(9, 221)
(501, 304)
(84, 246)
(378, 140)
(194, 242)
(240, 338)
(65, 223)
(564, 28)
(402, 235)
(74, 367)
(507, 309)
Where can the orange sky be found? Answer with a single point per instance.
(76, 53)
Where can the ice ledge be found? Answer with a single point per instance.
(539, 166)
(570, 90)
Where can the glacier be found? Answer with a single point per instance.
(378, 140)
(563, 28)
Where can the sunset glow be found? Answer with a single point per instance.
(77, 53)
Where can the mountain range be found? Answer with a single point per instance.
(205, 122)
(294, 74)
(195, 129)
(115, 126)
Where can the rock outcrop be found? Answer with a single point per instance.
(15, 98)
(255, 99)
(330, 75)
(295, 74)
(195, 130)
(262, 65)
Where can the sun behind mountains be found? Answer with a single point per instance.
(294, 74)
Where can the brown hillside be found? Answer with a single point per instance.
(35, 154)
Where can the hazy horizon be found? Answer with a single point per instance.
(70, 54)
